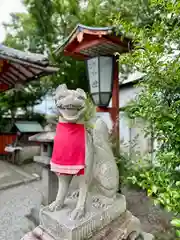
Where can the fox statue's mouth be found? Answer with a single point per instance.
(71, 112)
(71, 107)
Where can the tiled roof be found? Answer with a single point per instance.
(28, 126)
(43, 137)
(19, 67)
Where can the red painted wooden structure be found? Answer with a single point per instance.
(85, 42)
(6, 139)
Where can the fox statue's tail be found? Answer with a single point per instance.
(106, 175)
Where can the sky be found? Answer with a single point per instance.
(7, 7)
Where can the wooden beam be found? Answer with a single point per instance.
(88, 44)
(11, 75)
(19, 71)
(78, 56)
(6, 81)
(31, 70)
(15, 73)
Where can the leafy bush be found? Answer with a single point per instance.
(176, 223)
(160, 182)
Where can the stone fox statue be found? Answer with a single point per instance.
(83, 153)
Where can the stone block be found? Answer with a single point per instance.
(126, 226)
(59, 225)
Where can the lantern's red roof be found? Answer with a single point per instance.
(85, 41)
(20, 67)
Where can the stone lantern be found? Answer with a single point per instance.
(50, 184)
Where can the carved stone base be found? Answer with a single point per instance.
(125, 227)
(59, 225)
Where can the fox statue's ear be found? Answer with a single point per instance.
(81, 92)
(59, 90)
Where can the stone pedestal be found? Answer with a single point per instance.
(59, 226)
(124, 227)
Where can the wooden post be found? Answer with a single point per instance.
(114, 110)
(115, 103)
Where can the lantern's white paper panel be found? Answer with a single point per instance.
(106, 65)
(93, 71)
(100, 70)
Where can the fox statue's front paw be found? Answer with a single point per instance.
(77, 213)
(55, 206)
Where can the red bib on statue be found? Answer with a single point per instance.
(68, 155)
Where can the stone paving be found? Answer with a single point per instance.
(11, 175)
(16, 202)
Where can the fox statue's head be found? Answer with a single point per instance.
(71, 104)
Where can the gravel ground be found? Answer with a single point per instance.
(16, 202)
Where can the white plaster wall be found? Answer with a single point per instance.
(126, 94)
(127, 135)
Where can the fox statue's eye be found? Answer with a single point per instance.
(81, 98)
(60, 97)
(57, 103)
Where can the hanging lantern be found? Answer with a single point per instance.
(100, 77)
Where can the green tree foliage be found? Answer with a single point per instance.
(156, 54)
(49, 22)
(22, 99)
(176, 223)
(45, 25)
(21, 35)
